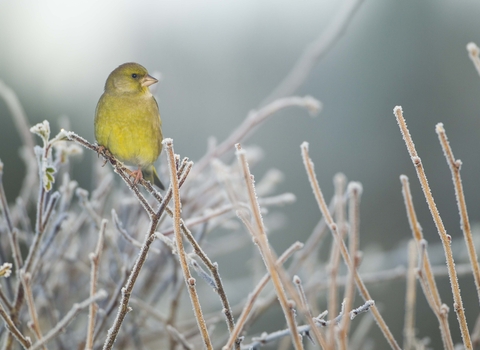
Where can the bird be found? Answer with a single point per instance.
(127, 121)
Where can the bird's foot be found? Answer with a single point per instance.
(103, 151)
(137, 174)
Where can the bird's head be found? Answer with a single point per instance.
(129, 78)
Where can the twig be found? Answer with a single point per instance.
(426, 275)
(446, 239)
(261, 240)
(410, 300)
(473, 52)
(461, 203)
(213, 267)
(334, 263)
(95, 262)
(26, 282)
(76, 308)
(189, 280)
(266, 338)
(364, 308)
(10, 325)
(354, 192)
(343, 249)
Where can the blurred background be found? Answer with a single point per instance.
(218, 60)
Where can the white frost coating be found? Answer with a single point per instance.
(398, 108)
(240, 152)
(313, 105)
(472, 48)
(355, 186)
(42, 129)
(167, 141)
(439, 127)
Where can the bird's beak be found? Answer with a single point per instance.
(149, 80)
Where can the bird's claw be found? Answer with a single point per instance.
(102, 150)
(137, 174)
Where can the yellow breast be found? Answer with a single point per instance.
(129, 126)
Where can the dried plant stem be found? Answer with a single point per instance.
(213, 267)
(343, 249)
(426, 275)
(473, 52)
(462, 206)
(253, 119)
(189, 280)
(60, 327)
(334, 264)
(26, 282)
(40, 226)
(249, 304)
(354, 191)
(95, 262)
(261, 240)
(10, 325)
(446, 239)
(411, 298)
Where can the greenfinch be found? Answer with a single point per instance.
(127, 121)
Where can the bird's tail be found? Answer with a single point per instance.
(151, 175)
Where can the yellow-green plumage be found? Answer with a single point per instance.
(127, 120)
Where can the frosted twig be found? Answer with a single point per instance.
(458, 304)
(411, 297)
(473, 52)
(364, 308)
(10, 325)
(95, 262)
(189, 280)
(26, 279)
(334, 263)
(454, 166)
(266, 338)
(261, 240)
(354, 192)
(426, 275)
(343, 249)
(213, 267)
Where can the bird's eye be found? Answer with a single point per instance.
(134, 76)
